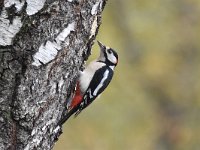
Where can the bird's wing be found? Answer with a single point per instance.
(97, 85)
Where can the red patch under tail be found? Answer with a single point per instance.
(77, 97)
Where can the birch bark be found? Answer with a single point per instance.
(43, 45)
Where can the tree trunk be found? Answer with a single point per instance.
(43, 44)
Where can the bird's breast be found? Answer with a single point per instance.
(87, 75)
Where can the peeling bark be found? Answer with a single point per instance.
(43, 45)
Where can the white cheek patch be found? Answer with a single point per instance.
(112, 58)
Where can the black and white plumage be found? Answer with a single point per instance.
(93, 80)
(97, 85)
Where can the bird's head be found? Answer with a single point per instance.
(107, 55)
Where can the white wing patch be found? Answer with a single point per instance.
(105, 75)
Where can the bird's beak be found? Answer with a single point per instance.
(102, 47)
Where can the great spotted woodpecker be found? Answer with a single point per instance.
(93, 81)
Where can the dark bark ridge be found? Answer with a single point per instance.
(39, 65)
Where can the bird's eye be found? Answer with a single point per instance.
(109, 51)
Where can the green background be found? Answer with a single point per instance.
(153, 102)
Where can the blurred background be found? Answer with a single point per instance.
(153, 102)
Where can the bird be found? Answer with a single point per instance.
(92, 81)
